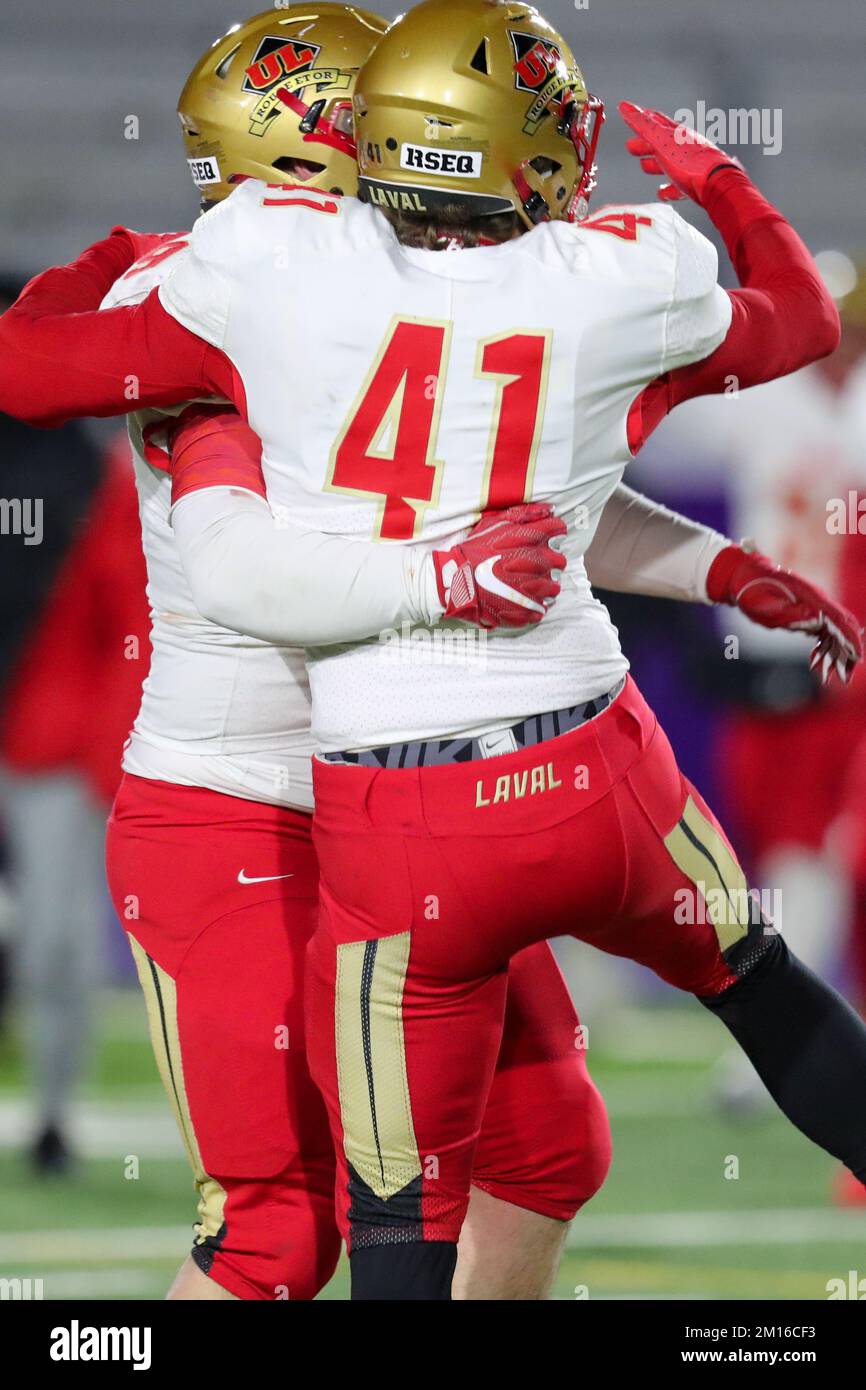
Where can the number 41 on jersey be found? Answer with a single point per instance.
(387, 448)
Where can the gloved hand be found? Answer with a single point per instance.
(778, 598)
(675, 151)
(503, 573)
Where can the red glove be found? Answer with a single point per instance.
(775, 597)
(501, 575)
(675, 151)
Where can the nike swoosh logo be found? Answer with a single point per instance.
(486, 579)
(494, 744)
(271, 878)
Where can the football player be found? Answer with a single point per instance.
(266, 1226)
(217, 771)
(580, 821)
(210, 857)
(566, 292)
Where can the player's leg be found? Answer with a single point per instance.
(781, 781)
(848, 1190)
(589, 832)
(404, 1061)
(688, 915)
(221, 966)
(229, 1044)
(506, 1252)
(452, 880)
(545, 1145)
(191, 1286)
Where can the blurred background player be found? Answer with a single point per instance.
(74, 641)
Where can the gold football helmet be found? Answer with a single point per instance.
(478, 103)
(275, 93)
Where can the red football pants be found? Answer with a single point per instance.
(431, 880)
(218, 898)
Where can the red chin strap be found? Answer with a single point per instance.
(315, 129)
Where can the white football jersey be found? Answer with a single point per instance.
(399, 392)
(218, 710)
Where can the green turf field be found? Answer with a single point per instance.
(668, 1224)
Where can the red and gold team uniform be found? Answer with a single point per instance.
(531, 369)
(568, 339)
(214, 876)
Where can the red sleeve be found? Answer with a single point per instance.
(154, 243)
(211, 446)
(783, 315)
(60, 357)
(86, 281)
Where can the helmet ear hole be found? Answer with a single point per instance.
(287, 165)
(222, 70)
(480, 61)
(544, 166)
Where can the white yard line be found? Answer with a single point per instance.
(113, 1129)
(119, 1282)
(93, 1245)
(656, 1230)
(768, 1226)
(101, 1129)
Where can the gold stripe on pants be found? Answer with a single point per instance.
(375, 1106)
(160, 997)
(699, 851)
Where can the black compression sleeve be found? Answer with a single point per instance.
(807, 1045)
(421, 1269)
